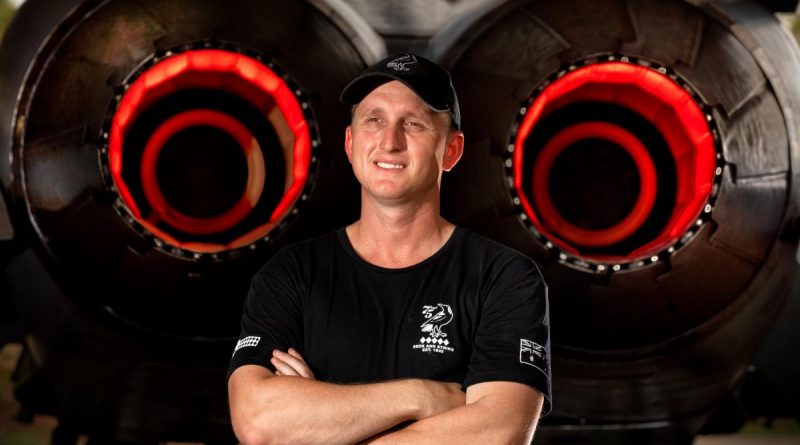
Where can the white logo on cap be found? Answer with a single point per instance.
(399, 64)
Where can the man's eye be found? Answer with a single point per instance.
(416, 125)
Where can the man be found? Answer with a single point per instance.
(369, 334)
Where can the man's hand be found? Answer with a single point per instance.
(290, 363)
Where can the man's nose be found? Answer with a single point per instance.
(393, 137)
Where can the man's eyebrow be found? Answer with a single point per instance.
(429, 118)
(424, 115)
(372, 111)
(408, 114)
(414, 114)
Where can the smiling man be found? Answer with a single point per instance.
(400, 328)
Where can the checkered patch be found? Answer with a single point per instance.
(247, 341)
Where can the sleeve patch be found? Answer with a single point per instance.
(533, 354)
(247, 342)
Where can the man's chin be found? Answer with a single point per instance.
(398, 197)
(390, 198)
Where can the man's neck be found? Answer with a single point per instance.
(399, 236)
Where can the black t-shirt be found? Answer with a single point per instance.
(475, 311)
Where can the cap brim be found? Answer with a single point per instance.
(362, 85)
(359, 87)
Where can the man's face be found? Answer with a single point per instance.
(399, 146)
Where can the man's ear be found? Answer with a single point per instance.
(348, 142)
(453, 150)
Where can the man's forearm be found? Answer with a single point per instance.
(267, 409)
(297, 410)
(462, 426)
(508, 416)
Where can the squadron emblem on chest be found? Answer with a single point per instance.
(434, 327)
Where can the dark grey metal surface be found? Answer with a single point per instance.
(414, 18)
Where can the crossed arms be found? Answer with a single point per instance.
(290, 406)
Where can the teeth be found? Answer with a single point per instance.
(385, 165)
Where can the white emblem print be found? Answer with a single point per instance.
(399, 64)
(436, 317)
(533, 354)
(247, 342)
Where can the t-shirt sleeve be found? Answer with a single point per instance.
(512, 341)
(271, 315)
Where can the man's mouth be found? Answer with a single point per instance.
(389, 165)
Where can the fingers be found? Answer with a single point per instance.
(296, 355)
(283, 368)
(290, 364)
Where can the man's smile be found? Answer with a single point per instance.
(390, 165)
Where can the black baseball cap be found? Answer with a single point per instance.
(430, 81)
